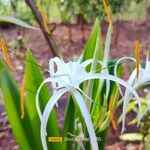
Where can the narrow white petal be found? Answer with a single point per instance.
(87, 119)
(46, 113)
(132, 78)
(111, 78)
(116, 67)
(133, 81)
(107, 88)
(121, 61)
(89, 61)
(38, 92)
(127, 97)
(147, 66)
(81, 57)
(57, 61)
(52, 72)
(61, 65)
(84, 93)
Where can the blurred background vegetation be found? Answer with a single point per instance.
(75, 11)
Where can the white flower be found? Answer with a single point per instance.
(143, 79)
(67, 78)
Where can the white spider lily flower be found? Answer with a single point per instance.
(128, 95)
(143, 79)
(67, 78)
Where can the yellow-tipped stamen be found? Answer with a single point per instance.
(137, 56)
(22, 96)
(44, 17)
(6, 55)
(108, 13)
(111, 109)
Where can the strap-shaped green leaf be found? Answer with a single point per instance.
(17, 21)
(91, 44)
(69, 123)
(33, 81)
(94, 50)
(88, 54)
(11, 98)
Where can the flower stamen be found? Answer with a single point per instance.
(22, 100)
(111, 108)
(6, 55)
(137, 56)
(107, 10)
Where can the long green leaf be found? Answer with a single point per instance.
(15, 100)
(34, 79)
(93, 50)
(69, 123)
(16, 21)
(88, 54)
(91, 43)
(11, 99)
